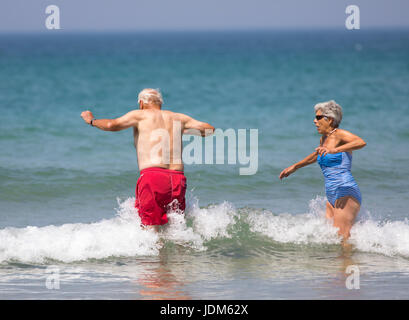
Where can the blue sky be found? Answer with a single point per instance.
(115, 15)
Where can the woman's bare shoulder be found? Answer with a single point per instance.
(342, 133)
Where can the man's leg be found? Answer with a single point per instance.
(155, 228)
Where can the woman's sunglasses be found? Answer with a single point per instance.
(319, 117)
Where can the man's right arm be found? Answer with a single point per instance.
(128, 120)
(195, 127)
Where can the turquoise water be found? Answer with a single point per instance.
(66, 189)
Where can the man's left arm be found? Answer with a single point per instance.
(195, 127)
(128, 120)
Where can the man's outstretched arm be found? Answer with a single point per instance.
(195, 127)
(126, 121)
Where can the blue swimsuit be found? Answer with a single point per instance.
(339, 181)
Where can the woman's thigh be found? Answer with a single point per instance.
(345, 211)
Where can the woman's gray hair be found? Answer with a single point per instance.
(332, 110)
(149, 95)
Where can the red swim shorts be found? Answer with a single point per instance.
(157, 191)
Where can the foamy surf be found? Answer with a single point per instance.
(122, 236)
(206, 224)
(119, 236)
(390, 238)
(308, 228)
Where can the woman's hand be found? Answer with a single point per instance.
(322, 151)
(286, 172)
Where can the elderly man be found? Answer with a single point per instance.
(158, 141)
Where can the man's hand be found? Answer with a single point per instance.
(87, 116)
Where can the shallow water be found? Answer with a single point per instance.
(211, 253)
(243, 237)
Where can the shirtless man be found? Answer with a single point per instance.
(158, 141)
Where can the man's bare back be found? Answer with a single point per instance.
(158, 138)
(157, 133)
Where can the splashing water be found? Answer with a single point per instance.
(122, 236)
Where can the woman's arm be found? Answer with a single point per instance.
(305, 162)
(349, 142)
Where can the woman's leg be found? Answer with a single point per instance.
(345, 211)
(329, 211)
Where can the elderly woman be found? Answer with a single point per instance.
(334, 155)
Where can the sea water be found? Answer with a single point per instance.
(67, 189)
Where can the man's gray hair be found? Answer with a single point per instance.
(330, 109)
(149, 95)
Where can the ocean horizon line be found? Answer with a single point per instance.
(205, 30)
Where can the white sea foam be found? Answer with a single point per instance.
(123, 236)
(207, 223)
(390, 238)
(119, 236)
(214, 221)
(309, 228)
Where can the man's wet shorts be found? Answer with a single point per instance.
(157, 191)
